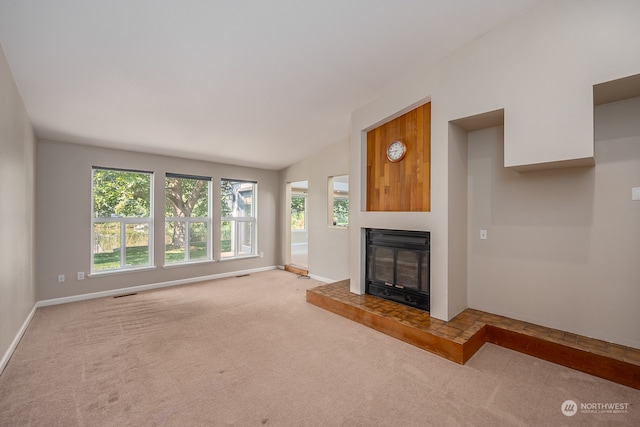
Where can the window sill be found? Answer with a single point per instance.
(338, 227)
(239, 257)
(121, 271)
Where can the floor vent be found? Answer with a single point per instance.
(243, 275)
(125, 295)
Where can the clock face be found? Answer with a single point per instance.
(396, 151)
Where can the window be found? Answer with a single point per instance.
(339, 201)
(187, 235)
(121, 220)
(238, 218)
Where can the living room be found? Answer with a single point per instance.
(534, 141)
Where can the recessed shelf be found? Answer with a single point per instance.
(481, 121)
(616, 90)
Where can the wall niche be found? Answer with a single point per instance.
(405, 185)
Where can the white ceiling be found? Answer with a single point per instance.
(254, 82)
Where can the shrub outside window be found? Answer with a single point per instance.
(238, 218)
(121, 220)
(187, 219)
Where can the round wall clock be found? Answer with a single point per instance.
(396, 151)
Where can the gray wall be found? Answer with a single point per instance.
(563, 244)
(328, 246)
(64, 215)
(17, 210)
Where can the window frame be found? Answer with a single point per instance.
(123, 222)
(332, 197)
(236, 220)
(188, 221)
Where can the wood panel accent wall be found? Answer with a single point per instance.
(404, 186)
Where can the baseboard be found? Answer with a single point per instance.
(120, 291)
(7, 355)
(322, 279)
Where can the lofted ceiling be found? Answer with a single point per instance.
(244, 82)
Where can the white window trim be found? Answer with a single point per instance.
(187, 243)
(254, 226)
(123, 223)
(236, 236)
(331, 189)
(208, 220)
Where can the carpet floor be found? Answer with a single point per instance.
(250, 351)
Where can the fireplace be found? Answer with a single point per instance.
(397, 266)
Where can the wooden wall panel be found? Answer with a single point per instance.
(404, 186)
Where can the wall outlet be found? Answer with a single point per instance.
(261, 254)
(635, 193)
(80, 275)
(483, 234)
(60, 278)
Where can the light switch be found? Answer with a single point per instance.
(635, 193)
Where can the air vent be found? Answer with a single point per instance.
(125, 295)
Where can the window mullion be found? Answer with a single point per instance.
(123, 243)
(187, 241)
(234, 236)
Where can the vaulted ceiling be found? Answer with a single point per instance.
(246, 82)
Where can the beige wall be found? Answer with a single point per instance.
(328, 246)
(563, 245)
(64, 215)
(17, 211)
(540, 68)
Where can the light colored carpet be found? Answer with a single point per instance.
(250, 351)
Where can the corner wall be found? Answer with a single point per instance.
(17, 211)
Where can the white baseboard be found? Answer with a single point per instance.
(120, 291)
(7, 355)
(322, 279)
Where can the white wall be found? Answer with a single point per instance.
(64, 215)
(540, 68)
(17, 211)
(563, 244)
(328, 246)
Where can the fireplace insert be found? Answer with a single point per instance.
(397, 266)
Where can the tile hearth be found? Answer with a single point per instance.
(461, 337)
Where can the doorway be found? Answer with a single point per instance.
(298, 225)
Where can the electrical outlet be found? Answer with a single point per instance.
(635, 193)
(483, 234)
(60, 278)
(261, 254)
(80, 275)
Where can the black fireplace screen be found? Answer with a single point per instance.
(398, 266)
